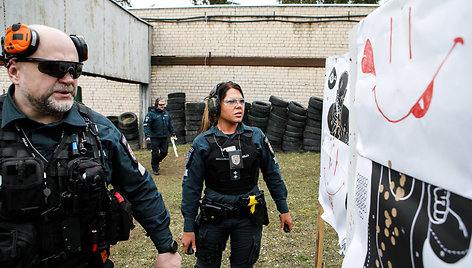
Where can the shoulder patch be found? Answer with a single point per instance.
(128, 149)
(189, 156)
(146, 119)
(266, 140)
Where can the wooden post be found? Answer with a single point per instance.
(319, 239)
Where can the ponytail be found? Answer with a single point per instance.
(207, 119)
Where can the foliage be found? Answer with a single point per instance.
(212, 2)
(124, 3)
(295, 249)
(328, 1)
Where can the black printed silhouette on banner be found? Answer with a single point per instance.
(338, 114)
(415, 224)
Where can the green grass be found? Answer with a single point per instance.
(295, 249)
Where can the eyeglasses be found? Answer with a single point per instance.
(161, 104)
(233, 102)
(56, 68)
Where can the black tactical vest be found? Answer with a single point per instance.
(218, 174)
(63, 199)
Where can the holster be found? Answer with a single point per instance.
(260, 215)
(211, 212)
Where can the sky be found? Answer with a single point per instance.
(188, 3)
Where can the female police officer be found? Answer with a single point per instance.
(228, 157)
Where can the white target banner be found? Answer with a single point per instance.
(335, 145)
(404, 222)
(413, 90)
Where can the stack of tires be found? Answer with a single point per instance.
(193, 118)
(176, 107)
(312, 133)
(113, 119)
(128, 125)
(259, 115)
(277, 122)
(247, 108)
(293, 135)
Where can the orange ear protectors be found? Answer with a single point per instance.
(213, 102)
(21, 41)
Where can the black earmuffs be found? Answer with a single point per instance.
(213, 101)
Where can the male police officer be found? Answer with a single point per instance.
(157, 126)
(57, 159)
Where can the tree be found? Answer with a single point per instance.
(328, 1)
(124, 3)
(212, 2)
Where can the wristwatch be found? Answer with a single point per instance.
(172, 248)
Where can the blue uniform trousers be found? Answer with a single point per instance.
(159, 150)
(245, 242)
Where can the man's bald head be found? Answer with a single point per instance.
(54, 44)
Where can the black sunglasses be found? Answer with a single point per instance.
(56, 68)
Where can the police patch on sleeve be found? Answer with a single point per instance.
(189, 156)
(128, 149)
(266, 140)
(146, 119)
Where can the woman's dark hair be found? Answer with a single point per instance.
(220, 92)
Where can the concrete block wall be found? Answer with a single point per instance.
(261, 39)
(248, 39)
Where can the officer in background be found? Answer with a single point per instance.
(58, 158)
(157, 127)
(227, 158)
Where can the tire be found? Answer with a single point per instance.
(175, 106)
(297, 135)
(127, 120)
(274, 138)
(313, 123)
(294, 129)
(297, 117)
(316, 103)
(263, 107)
(314, 149)
(113, 119)
(175, 115)
(193, 117)
(192, 127)
(195, 107)
(286, 138)
(134, 144)
(177, 100)
(176, 95)
(315, 130)
(310, 142)
(311, 136)
(315, 116)
(295, 123)
(192, 133)
(278, 102)
(258, 113)
(296, 108)
(290, 147)
(277, 131)
(257, 119)
(281, 112)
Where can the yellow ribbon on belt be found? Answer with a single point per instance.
(252, 203)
